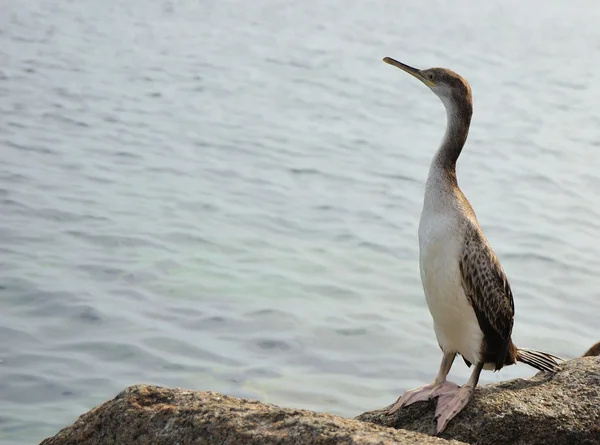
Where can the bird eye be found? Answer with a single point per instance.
(430, 76)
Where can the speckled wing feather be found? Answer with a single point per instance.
(487, 288)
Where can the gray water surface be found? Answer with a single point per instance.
(225, 195)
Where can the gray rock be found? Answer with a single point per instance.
(548, 409)
(161, 416)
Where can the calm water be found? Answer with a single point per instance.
(225, 195)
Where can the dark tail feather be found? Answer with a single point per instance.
(539, 360)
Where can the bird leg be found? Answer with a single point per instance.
(439, 388)
(448, 408)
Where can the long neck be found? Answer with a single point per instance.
(457, 129)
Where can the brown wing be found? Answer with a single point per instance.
(487, 288)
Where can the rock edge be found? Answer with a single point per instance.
(549, 409)
(145, 414)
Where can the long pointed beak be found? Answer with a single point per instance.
(409, 69)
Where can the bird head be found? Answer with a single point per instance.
(453, 90)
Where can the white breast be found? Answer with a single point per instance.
(440, 244)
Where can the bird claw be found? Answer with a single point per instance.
(447, 408)
(424, 393)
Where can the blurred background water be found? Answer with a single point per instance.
(225, 195)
